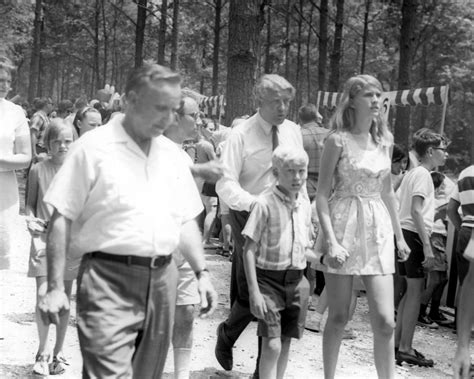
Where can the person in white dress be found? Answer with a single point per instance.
(15, 154)
(358, 216)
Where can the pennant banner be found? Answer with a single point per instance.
(213, 106)
(409, 97)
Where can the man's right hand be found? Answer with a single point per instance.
(52, 305)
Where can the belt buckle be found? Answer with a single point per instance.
(155, 261)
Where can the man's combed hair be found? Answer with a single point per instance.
(271, 83)
(147, 73)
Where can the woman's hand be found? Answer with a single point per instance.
(403, 251)
(337, 256)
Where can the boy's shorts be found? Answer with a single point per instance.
(286, 295)
(413, 267)
(187, 291)
(438, 246)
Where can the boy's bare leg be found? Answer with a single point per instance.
(283, 359)
(410, 313)
(269, 361)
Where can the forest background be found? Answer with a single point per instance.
(67, 49)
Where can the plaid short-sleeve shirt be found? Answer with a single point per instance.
(281, 229)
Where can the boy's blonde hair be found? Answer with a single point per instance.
(286, 154)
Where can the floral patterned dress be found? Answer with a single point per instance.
(360, 220)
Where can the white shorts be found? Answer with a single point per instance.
(187, 292)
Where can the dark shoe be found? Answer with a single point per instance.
(413, 359)
(427, 322)
(440, 319)
(223, 351)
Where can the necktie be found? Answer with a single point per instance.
(274, 137)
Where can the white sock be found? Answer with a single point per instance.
(182, 362)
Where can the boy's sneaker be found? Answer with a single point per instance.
(427, 322)
(58, 366)
(41, 365)
(440, 319)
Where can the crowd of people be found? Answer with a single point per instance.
(126, 196)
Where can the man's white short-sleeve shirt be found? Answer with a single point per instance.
(120, 200)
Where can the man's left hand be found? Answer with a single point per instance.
(208, 295)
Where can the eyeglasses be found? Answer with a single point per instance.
(441, 148)
(194, 115)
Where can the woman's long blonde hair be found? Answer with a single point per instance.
(344, 117)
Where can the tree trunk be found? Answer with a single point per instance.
(268, 44)
(106, 43)
(174, 36)
(409, 19)
(162, 33)
(308, 55)
(287, 40)
(299, 64)
(217, 42)
(336, 50)
(365, 34)
(323, 45)
(140, 32)
(246, 19)
(35, 53)
(96, 69)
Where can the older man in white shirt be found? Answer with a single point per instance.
(128, 197)
(247, 162)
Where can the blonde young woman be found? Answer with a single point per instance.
(356, 208)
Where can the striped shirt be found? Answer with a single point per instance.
(464, 194)
(281, 230)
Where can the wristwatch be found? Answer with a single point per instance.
(321, 260)
(199, 273)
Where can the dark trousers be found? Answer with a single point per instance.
(238, 281)
(239, 316)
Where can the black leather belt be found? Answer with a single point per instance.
(152, 262)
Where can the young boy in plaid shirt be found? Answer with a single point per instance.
(277, 237)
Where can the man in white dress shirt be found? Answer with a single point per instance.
(126, 198)
(247, 163)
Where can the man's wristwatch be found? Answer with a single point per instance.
(199, 273)
(321, 260)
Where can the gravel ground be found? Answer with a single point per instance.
(18, 336)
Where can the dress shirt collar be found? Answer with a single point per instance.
(286, 199)
(265, 125)
(121, 136)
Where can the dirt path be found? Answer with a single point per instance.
(18, 341)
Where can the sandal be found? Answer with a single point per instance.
(41, 365)
(57, 367)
